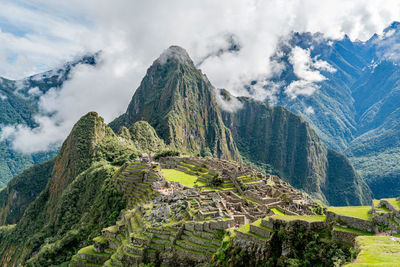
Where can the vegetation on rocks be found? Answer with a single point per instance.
(78, 201)
(22, 190)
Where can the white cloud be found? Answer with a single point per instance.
(300, 87)
(230, 104)
(2, 96)
(132, 33)
(309, 110)
(35, 91)
(307, 69)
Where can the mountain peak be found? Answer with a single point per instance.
(187, 118)
(176, 53)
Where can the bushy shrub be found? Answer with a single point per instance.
(216, 181)
(166, 153)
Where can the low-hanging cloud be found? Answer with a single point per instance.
(230, 40)
(307, 70)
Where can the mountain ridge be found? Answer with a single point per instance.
(354, 109)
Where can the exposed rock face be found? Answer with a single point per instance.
(275, 136)
(177, 100)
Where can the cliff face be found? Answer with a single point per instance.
(276, 137)
(177, 100)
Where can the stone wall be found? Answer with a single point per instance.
(314, 226)
(352, 222)
(390, 207)
(246, 237)
(343, 236)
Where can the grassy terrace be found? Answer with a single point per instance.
(90, 251)
(194, 168)
(277, 211)
(377, 251)
(189, 180)
(393, 202)
(258, 224)
(351, 230)
(300, 218)
(245, 229)
(100, 239)
(360, 212)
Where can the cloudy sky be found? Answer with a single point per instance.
(38, 35)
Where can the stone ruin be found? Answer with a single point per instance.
(171, 221)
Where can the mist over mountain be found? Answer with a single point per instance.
(199, 133)
(19, 104)
(352, 101)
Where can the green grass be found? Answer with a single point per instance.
(245, 229)
(277, 211)
(393, 202)
(173, 175)
(112, 229)
(89, 250)
(360, 212)
(383, 209)
(100, 239)
(195, 168)
(377, 251)
(258, 224)
(301, 218)
(352, 230)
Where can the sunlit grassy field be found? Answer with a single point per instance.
(357, 212)
(173, 175)
(377, 251)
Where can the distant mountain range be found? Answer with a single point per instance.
(18, 104)
(356, 109)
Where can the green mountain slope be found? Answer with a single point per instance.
(22, 190)
(77, 202)
(177, 100)
(275, 136)
(143, 137)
